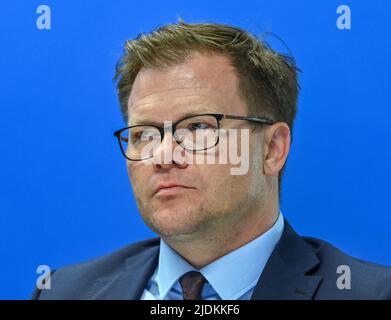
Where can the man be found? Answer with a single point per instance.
(187, 89)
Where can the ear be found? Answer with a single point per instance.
(276, 145)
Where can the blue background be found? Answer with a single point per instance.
(64, 193)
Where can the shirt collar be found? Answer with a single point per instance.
(171, 267)
(242, 267)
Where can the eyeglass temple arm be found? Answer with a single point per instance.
(252, 119)
(117, 134)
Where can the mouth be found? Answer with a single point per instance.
(171, 189)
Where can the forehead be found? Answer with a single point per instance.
(204, 83)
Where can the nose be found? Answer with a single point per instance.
(169, 153)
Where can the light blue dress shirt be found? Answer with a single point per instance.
(230, 277)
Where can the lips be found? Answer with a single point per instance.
(170, 188)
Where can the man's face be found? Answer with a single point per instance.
(213, 195)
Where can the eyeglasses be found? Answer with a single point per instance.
(193, 133)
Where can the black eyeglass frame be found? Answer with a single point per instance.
(217, 116)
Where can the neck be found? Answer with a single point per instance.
(202, 249)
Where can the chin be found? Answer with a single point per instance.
(172, 221)
(167, 228)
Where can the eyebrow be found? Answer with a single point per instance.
(181, 115)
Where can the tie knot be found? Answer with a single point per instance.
(192, 283)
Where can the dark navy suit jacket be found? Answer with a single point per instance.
(299, 268)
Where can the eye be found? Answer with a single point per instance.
(144, 135)
(198, 126)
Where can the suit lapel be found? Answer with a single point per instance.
(128, 283)
(285, 275)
